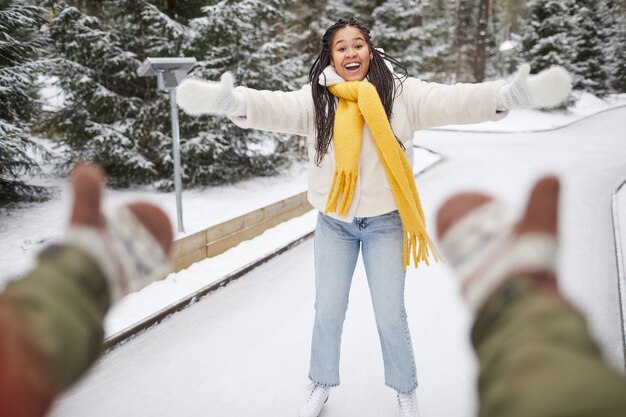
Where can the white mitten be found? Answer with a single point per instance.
(485, 242)
(130, 243)
(128, 254)
(546, 89)
(197, 97)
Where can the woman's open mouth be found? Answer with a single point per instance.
(352, 67)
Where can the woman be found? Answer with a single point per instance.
(361, 118)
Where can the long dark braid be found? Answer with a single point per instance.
(324, 102)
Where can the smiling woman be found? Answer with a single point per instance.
(348, 42)
(351, 54)
(360, 117)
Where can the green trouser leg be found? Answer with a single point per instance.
(537, 359)
(62, 302)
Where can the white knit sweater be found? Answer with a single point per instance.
(419, 105)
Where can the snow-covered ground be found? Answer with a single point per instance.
(244, 349)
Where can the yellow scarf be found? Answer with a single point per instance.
(359, 101)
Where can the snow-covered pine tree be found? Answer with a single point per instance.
(97, 75)
(306, 28)
(246, 38)
(360, 10)
(89, 7)
(180, 10)
(617, 48)
(21, 45)
(146, 30)
(590, 42)
(437, 46)
(398, 29)
(546, 38)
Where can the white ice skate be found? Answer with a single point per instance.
(408, 404)
(318, 396)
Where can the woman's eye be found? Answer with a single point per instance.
(359, 46)
(341, 49)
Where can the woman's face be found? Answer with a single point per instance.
(350, 54)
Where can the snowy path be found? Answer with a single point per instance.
(589, 157)
(244, 349)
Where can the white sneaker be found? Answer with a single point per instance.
(408, 404)
(317, 397)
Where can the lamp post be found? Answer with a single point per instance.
(170, 72)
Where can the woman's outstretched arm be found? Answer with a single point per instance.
(433, 104)
(277, 111)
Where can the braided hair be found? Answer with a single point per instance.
(324, 102)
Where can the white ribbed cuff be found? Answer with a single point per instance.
(141, 256)
(95, 243)
(127, 253)
(531, 252)
(483, 249)
(469, 242)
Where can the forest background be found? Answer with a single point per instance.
(68, 73)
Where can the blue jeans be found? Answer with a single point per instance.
(337, 247)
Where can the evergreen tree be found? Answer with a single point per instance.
(546, 36)
(97, 76)
(146, 30)
(590, 43)
(437, 46)
(617, 50)
(307, 28)
(547, 39)
(180, 10)
(20, 47)
(360, 10)
(89, 7)
(246, 38)
(118, 119)
(398, 30)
